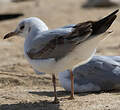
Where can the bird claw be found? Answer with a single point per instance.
(56, 101)
(71, 98)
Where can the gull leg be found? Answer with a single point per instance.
(55, 93)
(72, 85)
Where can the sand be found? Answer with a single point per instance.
(20, 87)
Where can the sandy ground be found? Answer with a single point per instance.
(20, 87)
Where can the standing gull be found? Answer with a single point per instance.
(56, 50)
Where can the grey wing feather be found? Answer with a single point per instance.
(69, 26)
(58, 43)
(44, 37)
(42, 40)
(103, 71)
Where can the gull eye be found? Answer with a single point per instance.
(22, 27)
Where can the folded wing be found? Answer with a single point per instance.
(60, 42)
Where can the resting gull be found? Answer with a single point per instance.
(101, 73)
(56, 50)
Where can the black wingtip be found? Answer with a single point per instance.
(104, 24)
(109, 16)
(113, 13)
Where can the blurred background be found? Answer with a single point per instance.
(15, 72)
(57, 13)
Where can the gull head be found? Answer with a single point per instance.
(27, 27)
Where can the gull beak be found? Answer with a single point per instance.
(10, 34)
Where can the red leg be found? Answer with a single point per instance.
(55, 93)
(72, 85)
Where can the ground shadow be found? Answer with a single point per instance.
(50, 93)
(62, 93)
(114, 91)
(42, 105)
(99, 92)
(66, 93)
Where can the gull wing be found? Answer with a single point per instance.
(59, 42)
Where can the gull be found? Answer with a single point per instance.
(101, 73)
(56, 50)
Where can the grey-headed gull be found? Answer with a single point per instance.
(56, 50)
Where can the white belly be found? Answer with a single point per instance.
(51, 66)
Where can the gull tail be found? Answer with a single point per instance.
(102, 25)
